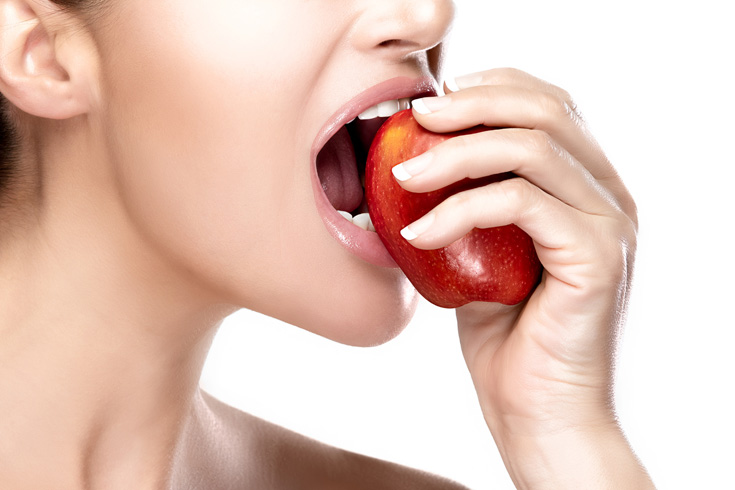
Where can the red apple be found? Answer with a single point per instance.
(492, 264)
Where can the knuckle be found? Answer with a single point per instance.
(616, 251)
(623, 198)
(628, 231)
(565, 94)
(540, 145)
(568, 105)
(460, 144)
(460, 200)
(555, 108)
(630, 208)
(617, 263)
(566, 97)
(518, 190)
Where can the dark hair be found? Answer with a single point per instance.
(9, 138)
(8, 149)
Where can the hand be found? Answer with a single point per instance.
(544, 368)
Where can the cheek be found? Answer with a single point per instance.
(205, 162)
(213, 168)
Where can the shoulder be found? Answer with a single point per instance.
(276, 458)
(363, 473)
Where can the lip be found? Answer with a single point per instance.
(364, 244)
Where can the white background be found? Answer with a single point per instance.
(655, 81)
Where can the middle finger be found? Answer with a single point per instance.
(531, 154)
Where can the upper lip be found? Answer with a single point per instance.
(395, 88)
(364, 244)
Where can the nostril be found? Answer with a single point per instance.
(400, 29)
(398, 43)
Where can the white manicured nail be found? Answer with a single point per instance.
(451, 84)
(417, 228)
(414, 166)
(420, 107)
(427, 105)
(399, 172)
(466, 81)
(408, 234)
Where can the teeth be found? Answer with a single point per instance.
(370, 113)
(361, 220)
(346, 215)
(385, 109)
(388, 108)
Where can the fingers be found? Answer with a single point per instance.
(511, 201)
(531, 154)
(510, 77)
(573, 246)
(514, 107)
(567, 196)
(509, 98)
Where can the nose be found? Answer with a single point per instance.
(397, 29)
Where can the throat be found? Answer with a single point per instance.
(338, 172)
(341, 164)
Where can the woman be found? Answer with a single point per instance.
(160, 172)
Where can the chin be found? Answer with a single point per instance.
(363, 313)
(372, 323)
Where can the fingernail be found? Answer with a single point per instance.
(466, 81)
(451, 84)
(411, 168)
(417, 228)
(427, 105)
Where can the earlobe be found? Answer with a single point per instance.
(32, 77)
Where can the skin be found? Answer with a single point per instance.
(169, 186)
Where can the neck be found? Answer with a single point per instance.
(102, 348)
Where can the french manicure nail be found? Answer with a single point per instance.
(427, 105)
(451, 84)
(411, 168)
(466, 81)
(417, 228)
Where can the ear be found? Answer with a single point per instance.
(42, 65)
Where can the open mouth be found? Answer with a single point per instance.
(339, 154)
(341, 162)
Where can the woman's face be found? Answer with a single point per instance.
(212, 114)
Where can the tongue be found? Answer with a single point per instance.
(337, 170)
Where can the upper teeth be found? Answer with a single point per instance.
(386, 109)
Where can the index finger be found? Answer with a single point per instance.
(509, 76)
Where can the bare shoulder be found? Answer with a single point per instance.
(274, 458)
(363, 472)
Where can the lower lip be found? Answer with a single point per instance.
(364, 244)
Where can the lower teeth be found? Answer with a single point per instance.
(361, 220)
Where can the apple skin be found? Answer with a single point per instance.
(492, 264)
